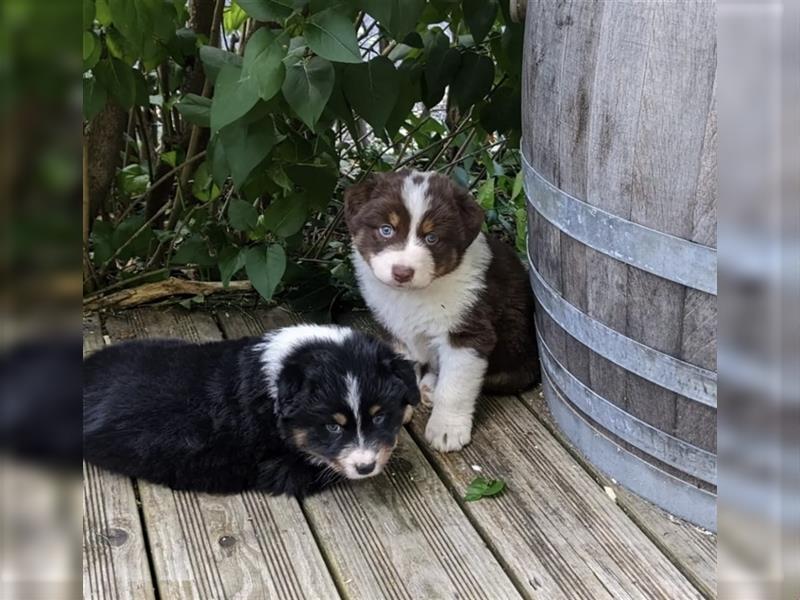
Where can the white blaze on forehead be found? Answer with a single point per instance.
(415, 199)
(277, 345)
(354, 402)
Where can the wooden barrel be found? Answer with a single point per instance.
(619, 149)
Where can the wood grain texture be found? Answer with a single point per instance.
(618, 110)
(554, 529)
(691, 549)
(114, 555)
(214, 546)
(397, 535)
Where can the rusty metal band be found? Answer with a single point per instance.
(674, 495)
(668, 449)
(676, 375)
(656, 252)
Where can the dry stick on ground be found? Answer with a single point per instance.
(162, 289)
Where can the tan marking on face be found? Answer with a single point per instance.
(394, 219)
(427, 226)
(374, 409)
(300, 437)
(340, 419)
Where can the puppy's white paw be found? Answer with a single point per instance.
(447, 432)
(426, 387)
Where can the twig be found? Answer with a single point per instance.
(125, 283)
(173, 286)
(127, 242)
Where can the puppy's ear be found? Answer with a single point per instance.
(404, 370)
(471, 213)
(356, 196)
(290, 384)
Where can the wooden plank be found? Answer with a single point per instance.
(397, 535)
(690, 548)
(215, 546)
(114, 553)
(555, 530)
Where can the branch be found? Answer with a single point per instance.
(162, 289)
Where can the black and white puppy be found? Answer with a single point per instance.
(457, 300)
(286, 413)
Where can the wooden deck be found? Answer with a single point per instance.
(560, 530)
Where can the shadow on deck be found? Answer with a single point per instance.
(560, 530)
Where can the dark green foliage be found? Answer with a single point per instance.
(319, 97)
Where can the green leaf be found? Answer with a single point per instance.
(133, 180)
(194, 250)
(231, 261)
(102, 249)
(203, 187)
(142, 22)
(263, 58)
(371, 89)
(140, 244)
(92, 50)
(119, 79)
(440, 68)
(245, 146)
(234, 96)
(479, 16)
(233, 17)
(485, 195)
(265, 268)
(332, 36)
(308, 86)
(102, 13)
(94, 97)
(517, 189)
(502, 113)
(474, 79)
(242, 215)
(215, 59)
(88, 14)
(286, 216)
(267, 10)
(195, 109)
(398, 17)
(482, 488)
(317, 182)
(408, 93)
(521, 218)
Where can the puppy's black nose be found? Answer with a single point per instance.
(402, 274)
(365, 469)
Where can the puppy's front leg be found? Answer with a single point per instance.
(461, 372)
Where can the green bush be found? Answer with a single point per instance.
(244, 177)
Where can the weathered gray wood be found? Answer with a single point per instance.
(554, 529)
(576, 83)
(691, 549)
(208, 546)
(676, 97)
(618, 111)
(697, 424)
(114, 554)
(397, 535)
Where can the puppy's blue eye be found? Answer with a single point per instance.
(333, 428)
(386, 231)
(431, 239)
(378, 419)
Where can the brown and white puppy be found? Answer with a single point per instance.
(457, 300)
